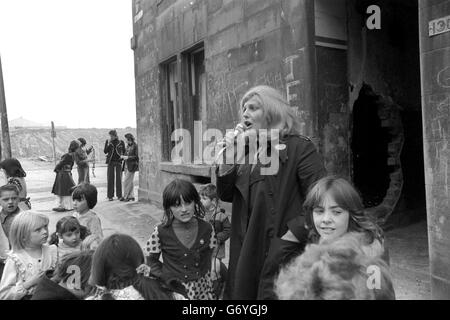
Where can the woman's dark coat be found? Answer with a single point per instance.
(64, 181)
(256, 250)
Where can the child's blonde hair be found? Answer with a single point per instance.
(21, 228)
(335, 271)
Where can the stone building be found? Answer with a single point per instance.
(355, 86)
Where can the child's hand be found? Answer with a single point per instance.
(33, 280)
(143, 269)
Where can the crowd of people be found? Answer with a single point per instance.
(296, 234)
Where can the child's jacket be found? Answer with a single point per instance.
(180, 262)
(21, 267)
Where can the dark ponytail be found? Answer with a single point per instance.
(158, 289)
(54, 239)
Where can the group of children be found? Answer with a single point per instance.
(32, 257)
(191, 240)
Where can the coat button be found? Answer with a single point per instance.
(196, 264)
(185, 254)
(185, 276)
(185, 267)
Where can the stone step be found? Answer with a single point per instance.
(394, 148)
(396, 175)
(391, 161)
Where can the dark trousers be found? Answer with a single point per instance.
(114, 169)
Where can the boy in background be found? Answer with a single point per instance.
(9, 201)
(218, 218)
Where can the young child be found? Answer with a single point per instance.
(222, 228)
(64, 181)
(116, 270)
(84, 200)
(334, 271)
(9, 201)
(30, 258)
(63, 286)
(334, 207)
(16, 176)
(67, 236)
(185, 241)
(217, 217)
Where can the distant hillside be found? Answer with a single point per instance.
(22, 122)
(34, 143)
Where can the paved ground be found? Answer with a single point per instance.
(408, 247)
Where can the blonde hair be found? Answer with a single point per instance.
(22, 226)
(334, 271)
(277, 111)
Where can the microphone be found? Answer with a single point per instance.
(237, 131)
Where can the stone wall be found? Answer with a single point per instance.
(246, 43)
(435, 63)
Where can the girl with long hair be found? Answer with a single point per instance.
(185, 241)
(334, 207)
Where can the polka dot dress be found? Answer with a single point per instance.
(200, 289)
(153, 244)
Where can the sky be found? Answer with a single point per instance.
(69, 61)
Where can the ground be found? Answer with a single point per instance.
(408, 246)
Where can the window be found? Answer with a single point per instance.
(183, 100)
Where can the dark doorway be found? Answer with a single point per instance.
(370, 149)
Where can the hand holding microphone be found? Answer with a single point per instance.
(230, 138)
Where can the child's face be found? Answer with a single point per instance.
(38, 236)
(184, 212)
(207, 202)
(9, 201)
(71, 238)
(80, 206)
(330, 220)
